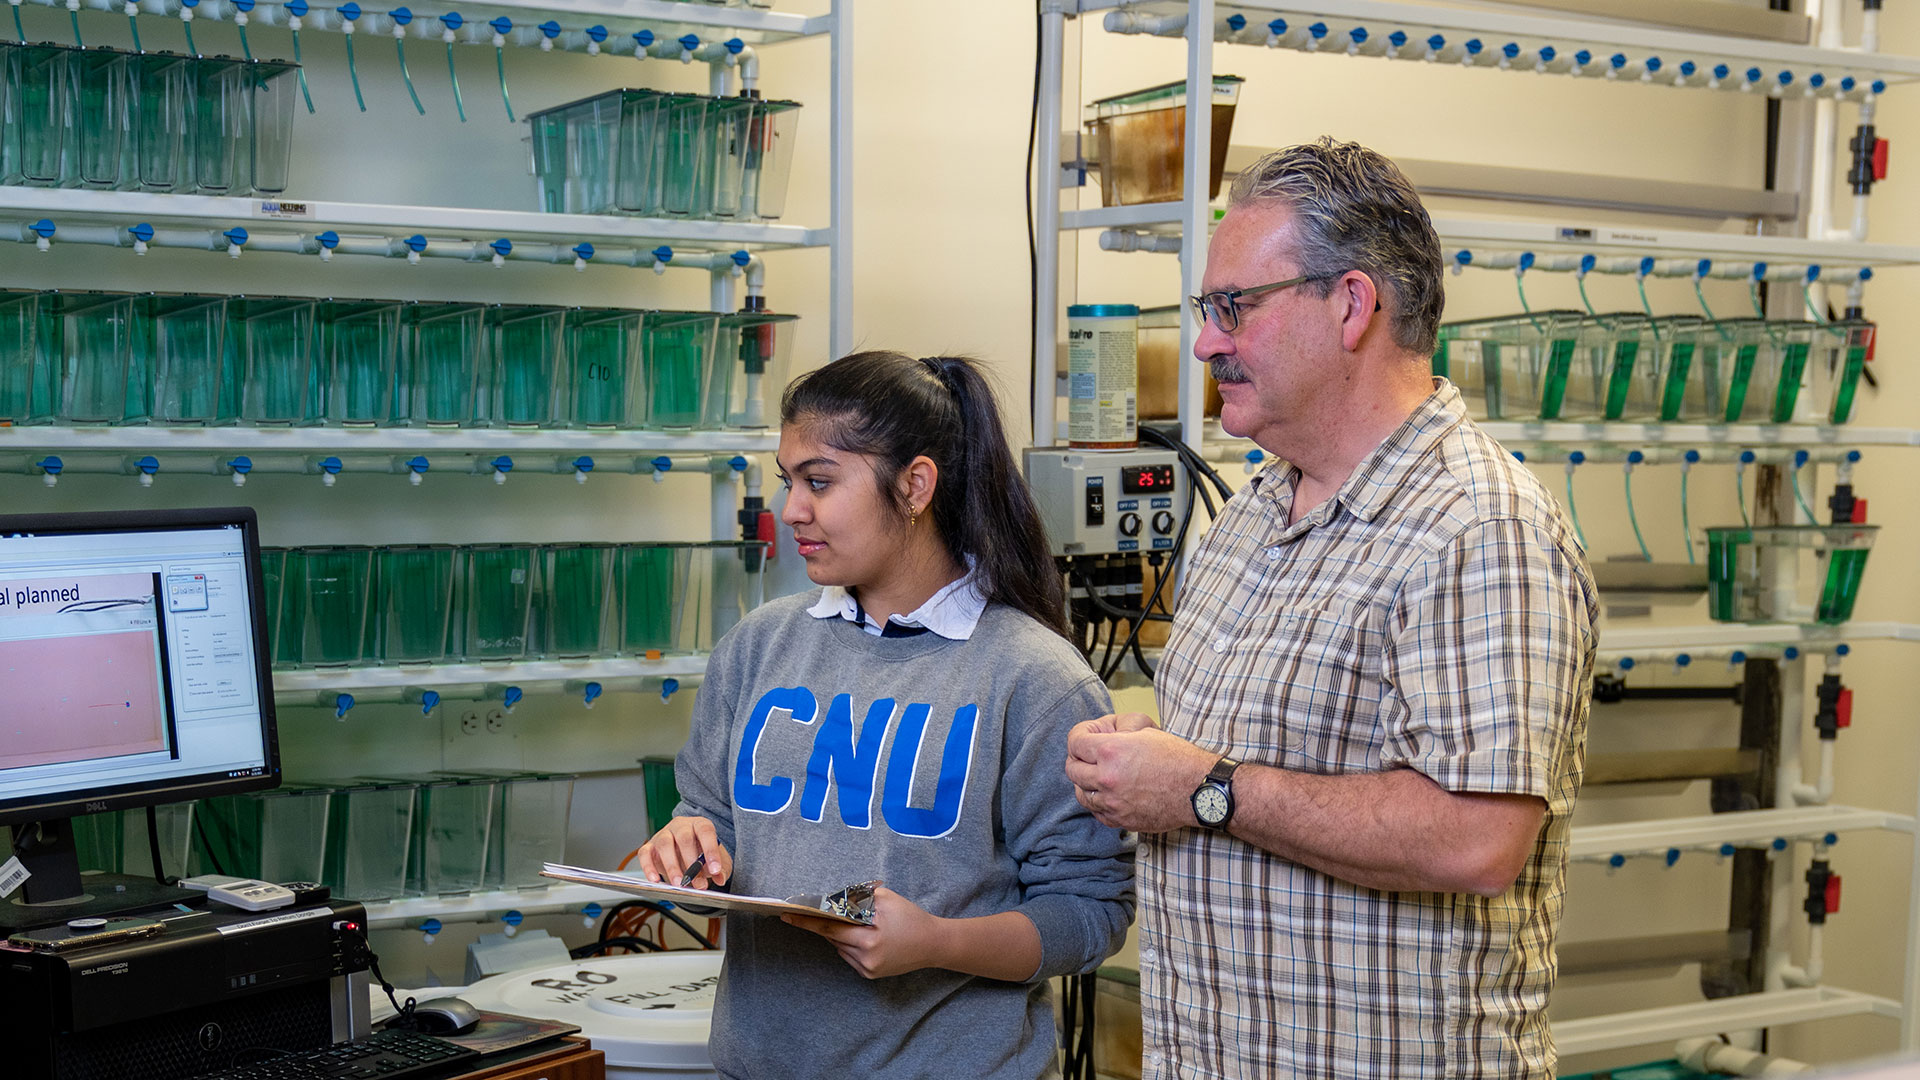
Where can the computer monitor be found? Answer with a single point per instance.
(134, 671)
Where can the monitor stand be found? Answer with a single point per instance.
(57, 891)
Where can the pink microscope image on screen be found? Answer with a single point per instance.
(85, 650)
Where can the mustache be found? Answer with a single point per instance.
(1226, 369)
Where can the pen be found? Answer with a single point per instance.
(699, 863)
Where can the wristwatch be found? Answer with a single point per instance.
(1213, 799)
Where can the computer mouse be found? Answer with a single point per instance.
(445, 1016)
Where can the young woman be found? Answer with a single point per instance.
(906, 723)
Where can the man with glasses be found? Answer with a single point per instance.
(1354, 820)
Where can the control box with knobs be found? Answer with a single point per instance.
(1105, 502)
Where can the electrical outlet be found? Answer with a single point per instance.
(496, 719)
(470, 721)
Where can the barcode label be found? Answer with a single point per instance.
(12, 876)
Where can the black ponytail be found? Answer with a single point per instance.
(893, 408)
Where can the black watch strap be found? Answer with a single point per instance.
(1222, 770)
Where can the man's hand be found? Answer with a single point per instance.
(1133, 775)
(903, 937)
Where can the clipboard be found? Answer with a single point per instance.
(852, 905)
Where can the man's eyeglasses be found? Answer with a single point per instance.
(1222, 309)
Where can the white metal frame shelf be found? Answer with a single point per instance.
(317, 440)
(615, 20)
(486, 906)
(285, 224)
(1572, 238)
(1743, 1013)
(1573, 433)
(1750, 828)
(1493, 30)
(1752, 635)
(307, 686)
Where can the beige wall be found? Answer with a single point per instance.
(941, 266)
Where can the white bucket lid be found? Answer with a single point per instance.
(649, 1011)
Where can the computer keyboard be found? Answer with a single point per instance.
(384, 1054)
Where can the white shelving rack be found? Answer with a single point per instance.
(1534, 43)
(285, 227)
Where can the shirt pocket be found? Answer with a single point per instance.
(1320, 659)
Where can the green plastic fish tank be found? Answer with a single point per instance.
(1742, 562)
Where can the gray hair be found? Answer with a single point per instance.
(1355, 210)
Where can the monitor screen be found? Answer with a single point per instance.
(133, 661)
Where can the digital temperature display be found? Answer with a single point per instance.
(1146, 479)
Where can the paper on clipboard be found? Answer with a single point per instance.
(852, 905)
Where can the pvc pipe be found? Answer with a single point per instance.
(1787, 775)
(1670, 455)
(210, 239)
(1123, 21)
(1482, 259)
(1133, 240)
(1710, 1055)
(1820, 793)
(1816, 961)
(1046, 228)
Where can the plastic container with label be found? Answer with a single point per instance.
(442, 356)
(273, 86)
(359, 352)
(369, 839)
(102, 378)
(749, 371)
(272, 340)
(414, 613)
(100, 83)
(526, 373)
(327, 600)
(162, 95)
(29, 375)
(1512, 367)
(603, 348)
(1103, 376)
(43, 128)
(1140, 139)
(500, 582)
(576, 600)
(182, 341)
(676, 362)
(452, 824)
(529, 825)
(1844, 349)
(1742, 562)
(277, 835)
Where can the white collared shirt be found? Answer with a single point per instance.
(952, 612)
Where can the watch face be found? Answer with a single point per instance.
(1210, 805)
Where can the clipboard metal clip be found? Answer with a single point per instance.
(853, 902)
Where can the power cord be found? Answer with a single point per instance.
(631, 944)
(355, 949)
(153, 848)
(1077, 1027)
(659, 909)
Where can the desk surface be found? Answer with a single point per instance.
(571, 1058)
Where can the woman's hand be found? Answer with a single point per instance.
(673, 849)
(903, 937)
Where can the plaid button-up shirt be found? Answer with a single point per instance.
(1436, 614)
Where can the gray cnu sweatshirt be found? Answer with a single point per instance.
(828, 756)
